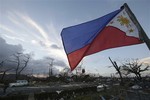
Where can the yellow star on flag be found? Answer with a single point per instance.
(131, 30)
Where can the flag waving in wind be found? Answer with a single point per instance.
(115, 29)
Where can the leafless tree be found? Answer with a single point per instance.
(135, 68)
(21, 60)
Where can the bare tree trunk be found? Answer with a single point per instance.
(139, 77)
(17, 56)
(4, 73)
(118, 70)
(25, 64)
(17, 69)
(3, 76)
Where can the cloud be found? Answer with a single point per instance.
(7, 50)
(7, 29)
(54, 34)
(34, 42)
(145, 60)
(37, 27)
(36, 39)
(42, 65)
(23, 27)
(38, 66)
(54, 46)
(50, 42)
(42, 43)
(13, 38)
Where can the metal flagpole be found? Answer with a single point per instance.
(142, 34)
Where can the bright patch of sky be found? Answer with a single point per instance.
(37, 24)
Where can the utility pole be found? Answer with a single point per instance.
(51, 68)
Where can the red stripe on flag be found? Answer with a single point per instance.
(111, 37)
(75, 57)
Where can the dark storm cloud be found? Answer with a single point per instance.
(55, 61)
(6, 53)
(42, 65)
(7, 50)
(60, 63)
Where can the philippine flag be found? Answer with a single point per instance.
(115, 29)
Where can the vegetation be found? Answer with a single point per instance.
(21, 61)
(14, 63)
(135, 68)
(131, 67)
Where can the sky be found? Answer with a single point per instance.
(35, 26)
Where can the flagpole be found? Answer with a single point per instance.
(142, 34)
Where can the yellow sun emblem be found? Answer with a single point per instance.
(124, 21)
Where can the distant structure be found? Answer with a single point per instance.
(51, 68)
